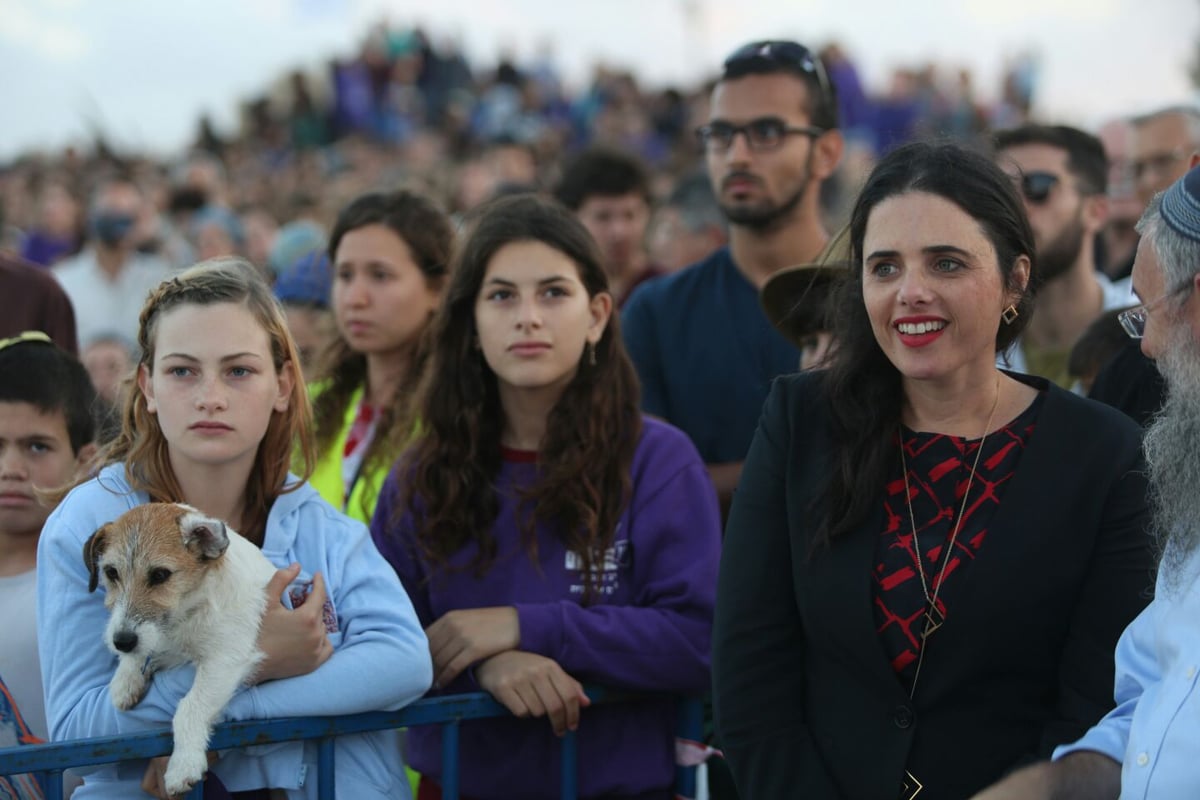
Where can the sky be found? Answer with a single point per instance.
(144, 70)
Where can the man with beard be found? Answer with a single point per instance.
(1146, 747)
(1062, 175)
(704, 350)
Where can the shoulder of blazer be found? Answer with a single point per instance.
(797, 411)
(802, 395)
(1082, 421)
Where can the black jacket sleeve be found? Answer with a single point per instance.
(758, 640)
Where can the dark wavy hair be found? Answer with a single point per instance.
(586, 455)
(862, 386)
(430, 237)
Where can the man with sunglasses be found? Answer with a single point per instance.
(1146, 746)
(704, 349)
(1062, 174)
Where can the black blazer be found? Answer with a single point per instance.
(807, 705)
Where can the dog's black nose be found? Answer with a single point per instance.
(125, 641)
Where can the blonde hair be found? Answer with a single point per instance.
(141, 444)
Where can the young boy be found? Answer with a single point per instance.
(46, 436)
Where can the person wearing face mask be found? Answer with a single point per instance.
(109, 280)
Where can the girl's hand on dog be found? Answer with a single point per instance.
(461, 638)
(294, 640)
(154, 783)
(530, 685)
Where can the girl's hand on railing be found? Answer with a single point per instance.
(461, 638)
(530, 685)
(153, 782)
(294, 640)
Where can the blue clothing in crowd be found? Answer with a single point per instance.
(706, 354)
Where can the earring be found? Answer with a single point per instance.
(1010, 314)
(591, 354)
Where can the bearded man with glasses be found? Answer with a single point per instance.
(1062, 175)
(704, 349)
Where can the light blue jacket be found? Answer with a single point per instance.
(1154, 729)
(381, 656)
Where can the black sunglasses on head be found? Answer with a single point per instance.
(790, 55)
(1036, 186)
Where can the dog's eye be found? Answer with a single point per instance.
(159, 575)
(111, 574)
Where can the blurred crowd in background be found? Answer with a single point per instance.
(404, 112)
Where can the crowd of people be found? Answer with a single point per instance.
(873, 419)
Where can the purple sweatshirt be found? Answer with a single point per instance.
(647, 629)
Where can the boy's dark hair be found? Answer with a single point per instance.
(36, 371)
(1086, 158)
(601, 172)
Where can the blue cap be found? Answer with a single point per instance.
(221, 217)
(1181, 205)
(295, 240)
(306, 282)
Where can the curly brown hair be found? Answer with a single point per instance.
(429, 236)
(591, 433)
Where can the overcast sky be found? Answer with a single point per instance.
(145, 69)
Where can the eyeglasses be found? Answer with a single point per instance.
(1158, 162)
(1036, 186)
(764, 133)
(789, 55)
(1133, 320)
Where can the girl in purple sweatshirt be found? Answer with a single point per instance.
(548, 534)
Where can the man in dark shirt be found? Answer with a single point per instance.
(704, 350)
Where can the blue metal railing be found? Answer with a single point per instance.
(49, 760)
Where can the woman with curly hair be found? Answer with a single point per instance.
(548, 533)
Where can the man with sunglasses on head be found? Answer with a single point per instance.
(1062, 175)
(704, 349)
(1146, 747)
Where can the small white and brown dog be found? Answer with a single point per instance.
(180, 587)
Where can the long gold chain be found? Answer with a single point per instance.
(932, 623)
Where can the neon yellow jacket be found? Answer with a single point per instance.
(327, 475)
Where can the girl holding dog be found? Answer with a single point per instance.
(548, 533)
(210, 420)
(390, 253)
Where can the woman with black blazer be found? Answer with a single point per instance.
(928, 561)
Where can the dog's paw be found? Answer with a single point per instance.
(184, 770)
(127, 689)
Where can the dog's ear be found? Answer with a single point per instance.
(93, 548)
(204, 537)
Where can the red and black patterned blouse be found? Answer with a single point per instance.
(938, 470)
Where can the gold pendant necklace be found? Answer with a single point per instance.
(934, 618)
(910, 787)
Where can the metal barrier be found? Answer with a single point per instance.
(49, 760)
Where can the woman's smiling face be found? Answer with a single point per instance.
(932, 286)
